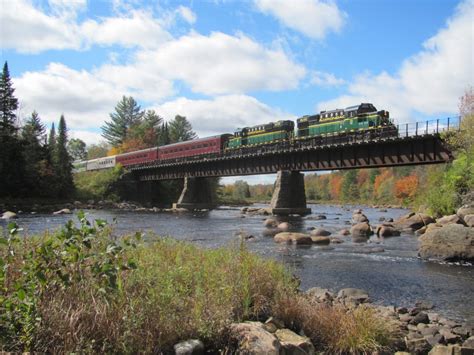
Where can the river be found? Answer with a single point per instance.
(395, 276)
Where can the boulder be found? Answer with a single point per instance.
(469, 220)
(336, 240)
(452, 242)
(361, 230)
(293, 238)
(270, 223)
(292, 343)
(320, 240)
(270, 232)
(9, 215)
(469, 343)
(320, 232)
(345, 232)
(252, 338)
(465, 210)
(421, 231)
(413, 221)
(284, 226)
(353, 295)
(446, 350)
(320, 294)
(63, 211)
(421, 317)
(451, 219)
(359, 218)
(387, 230)
(418, 346)
(189, 347)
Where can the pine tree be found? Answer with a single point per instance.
(164, 135)
(8, 103)
(127, 113)
(11, 157)
(62, 161)
(180, 130)
(38, 172)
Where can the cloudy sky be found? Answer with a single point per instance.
(231, 63)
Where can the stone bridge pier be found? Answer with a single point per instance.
(289, 194)
(197, 194)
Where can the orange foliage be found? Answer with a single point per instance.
(362, 177)
(406, 187)
(335, 183)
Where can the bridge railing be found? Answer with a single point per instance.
(429, 127)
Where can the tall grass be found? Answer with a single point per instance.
(335, 329)
(80, 290)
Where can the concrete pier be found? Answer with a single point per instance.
(289, 194)
(197, 194)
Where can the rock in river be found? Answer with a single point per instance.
(452, 242)
(413, 221)
(387, 230)
(9, 215)
(270, 223)
(320, 240)
(293, 238)
(361, 230)
(63, 211)
(320, 232)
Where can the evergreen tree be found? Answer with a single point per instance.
(62, 161)
(11, 157)
(127, 113)
(180, 130)
(164, 135)
(8, 103)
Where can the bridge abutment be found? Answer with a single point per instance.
(289, 194)
(197, 194)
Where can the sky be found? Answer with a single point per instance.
(227, 64)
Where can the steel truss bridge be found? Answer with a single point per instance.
(413, 144)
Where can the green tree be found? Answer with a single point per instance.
(95, 151)
(11, 155)
(77, 149)
(241, 190)
(62, 161)
(164, 135)
(8, 103)
(349, 188)
(180, 130)
(127, 114)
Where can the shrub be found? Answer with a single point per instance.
(97, 185)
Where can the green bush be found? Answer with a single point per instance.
(96, 185)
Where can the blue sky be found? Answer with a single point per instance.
(227, 64)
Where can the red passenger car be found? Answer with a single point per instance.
(197, 147)
(138, 157)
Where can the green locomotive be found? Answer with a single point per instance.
(262, 134)
(363, 117)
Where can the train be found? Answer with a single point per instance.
(353, 120)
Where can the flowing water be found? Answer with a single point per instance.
(393, 276)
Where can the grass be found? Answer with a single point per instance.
(83, 290)
(335, 329)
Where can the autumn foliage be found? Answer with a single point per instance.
(406, 187)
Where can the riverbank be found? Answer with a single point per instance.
(151, 298)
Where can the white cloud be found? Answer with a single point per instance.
(187, 14)
(222, 114)
(27, 29)
(222, 64)
(314, 18)
(138, 28)
(429, 82)
(325, 79)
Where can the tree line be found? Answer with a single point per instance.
(32, 163)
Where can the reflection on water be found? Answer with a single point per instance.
(394, 276)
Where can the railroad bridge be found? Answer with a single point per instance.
(415, 144)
